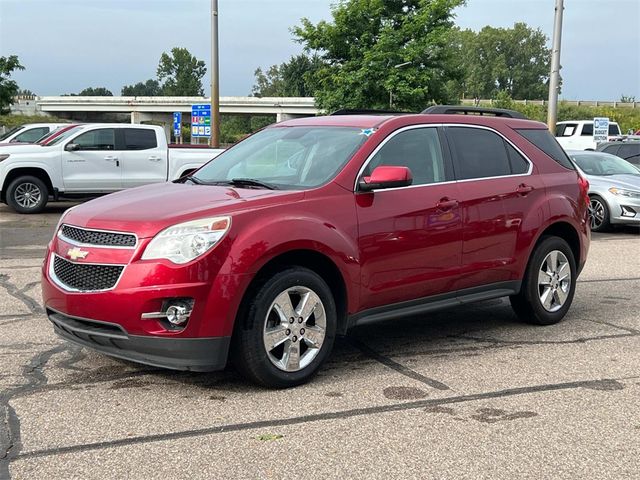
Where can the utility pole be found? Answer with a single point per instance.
(554, 77)
(215, 78)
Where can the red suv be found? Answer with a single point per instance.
(312, 226)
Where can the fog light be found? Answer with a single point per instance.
(628, 211)
(177, 314)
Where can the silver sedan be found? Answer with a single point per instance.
(614, 189)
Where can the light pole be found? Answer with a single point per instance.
(215, 78)
(400, 65)
(554, 77)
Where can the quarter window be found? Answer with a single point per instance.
(479, 153)
(543, 139)
(102, 139)
(417, 149)
(139, 139)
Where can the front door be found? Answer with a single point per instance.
(410, 238)
(95, 165)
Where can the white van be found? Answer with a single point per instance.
(578, 134)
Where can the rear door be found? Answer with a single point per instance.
(144, 159)
(410, 238)
(95, 165)
(496, 192)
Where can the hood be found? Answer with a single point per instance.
(24, 148)
(630, 182)
(149, 209)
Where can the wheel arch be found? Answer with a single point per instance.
(26, 171)
(566, 231)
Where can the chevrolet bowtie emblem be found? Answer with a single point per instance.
(75, 253)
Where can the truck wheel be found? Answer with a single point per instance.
(288, 330)
(599, 213)
(549, 283)
(27, 195)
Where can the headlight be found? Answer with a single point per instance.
(4, 156)
(624, 193)
(184, 242)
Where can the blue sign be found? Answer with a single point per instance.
(200, 120)
(177, 124)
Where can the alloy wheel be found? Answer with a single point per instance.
(554, 281)
(28, 195)
(598, 213)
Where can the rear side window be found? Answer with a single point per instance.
(139, 139)
(518, 163)
(31, 135)
(628, 151)
(543, 139)
(614, 129)
(478, 153)
(612, 149)
(587, 130)
(566, 129)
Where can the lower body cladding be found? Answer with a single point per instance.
(184, 325)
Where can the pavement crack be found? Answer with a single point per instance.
(33, 306)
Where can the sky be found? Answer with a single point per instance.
(67, 45)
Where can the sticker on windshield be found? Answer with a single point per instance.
(367, 132)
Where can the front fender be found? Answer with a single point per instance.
(53, 173)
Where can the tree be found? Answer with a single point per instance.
(181, 73)
(514, 60)
(8, 87)
(96, 92)
(377, 49)
(150, 88)
(25, 93)
(294, 78)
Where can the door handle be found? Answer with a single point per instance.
(446, 203)
(110, 158)
(523, 189)
(155, 159)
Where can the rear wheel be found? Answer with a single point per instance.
(549, 284)
(288, 330)
(599, 212)
(27, 194)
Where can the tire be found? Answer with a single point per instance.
(599, 214)
(266, 319)
(528, 304)
(27, 194)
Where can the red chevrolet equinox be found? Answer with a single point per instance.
(313, 226)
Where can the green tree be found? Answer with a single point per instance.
(8, 87)
(96, 92)
(294, 78)
(181, 73)
(367, 41)
(150, 88)
(514, 60)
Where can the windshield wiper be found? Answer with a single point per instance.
(251, 182)
(193, 179)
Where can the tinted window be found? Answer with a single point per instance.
(547, 143)
(627, 151)
(614, 129)
(565, 129)
(612, 149)
(519, 164)
(587, 130)
(102, 139)
(31, 135)
(139, 139)
(479, 153)
(417, 149)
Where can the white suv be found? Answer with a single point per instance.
(578, 134)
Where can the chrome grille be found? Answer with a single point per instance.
(85, 277)
(99, 238)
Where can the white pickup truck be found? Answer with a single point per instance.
(90, 160)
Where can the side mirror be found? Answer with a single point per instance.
(386, 177)
(72, 147)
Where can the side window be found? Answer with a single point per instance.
(479, 153)
(102, 139)
(419, 150)
(31, 135)
(139, 139)
(519, 164)
(614, 129)
(543, 139)
(628, 151)
(612, 149)
(565, 129)
(587, 130)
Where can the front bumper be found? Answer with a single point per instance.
(619, 205)
(194, 354)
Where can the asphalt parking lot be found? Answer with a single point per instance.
(470, 393)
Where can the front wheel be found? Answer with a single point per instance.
(288, 330)
(600, 219)
(549, 284)
(27, 194)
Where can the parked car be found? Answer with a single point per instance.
(312, 226)
(614, 189)
(92, 159)
(628, 150)
(45, 139)
(29, 133)
(578, 134)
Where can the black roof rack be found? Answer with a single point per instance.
(482, 111)
(364, 111)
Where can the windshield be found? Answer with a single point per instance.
(63, 136)
(601, 164)
(286, 157)
(6, 135)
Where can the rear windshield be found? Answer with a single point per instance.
(543, 139)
